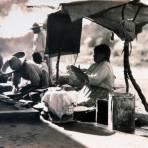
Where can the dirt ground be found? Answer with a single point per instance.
(33, 135)
(40, 135)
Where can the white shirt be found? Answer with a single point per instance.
(39, 42)
(101, 75)
(101, 82)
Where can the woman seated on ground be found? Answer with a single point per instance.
(100, 77)
(97, 81)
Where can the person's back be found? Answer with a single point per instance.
(37, 58)
(31, 72)
(27, 70)
(45, 75)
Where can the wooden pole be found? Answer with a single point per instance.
(128, 72)
(49, 64)
(126, 55)
(57, 67)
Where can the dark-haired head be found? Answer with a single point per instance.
(102, 53)
(36, 28)
(37, 58)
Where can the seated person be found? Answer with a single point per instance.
(37, 58)
(97, 81)
(100, 77)
(28, 71)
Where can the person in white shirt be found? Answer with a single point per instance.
(39, 40)
(100, 77)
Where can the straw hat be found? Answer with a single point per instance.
(14, 63)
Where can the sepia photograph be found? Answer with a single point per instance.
(73, 73)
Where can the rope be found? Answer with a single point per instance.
(139, 8)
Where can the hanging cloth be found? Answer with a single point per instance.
(62, 34)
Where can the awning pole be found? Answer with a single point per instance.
(126, 62)
(128, 74)
(57, 67)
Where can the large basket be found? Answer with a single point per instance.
(124, 112)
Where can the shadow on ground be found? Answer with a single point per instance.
(87, 128)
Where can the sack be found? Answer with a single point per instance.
(127, 30)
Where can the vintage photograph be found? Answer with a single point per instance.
(73, 73)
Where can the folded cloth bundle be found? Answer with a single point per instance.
(59, 102)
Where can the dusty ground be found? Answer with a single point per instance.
(39, 135)
(33, 135)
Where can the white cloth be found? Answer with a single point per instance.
(59, 102)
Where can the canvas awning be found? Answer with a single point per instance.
(112, 18)
(111, 14)
(80, 9)
(125, 18)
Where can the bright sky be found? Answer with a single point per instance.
(19, 22)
